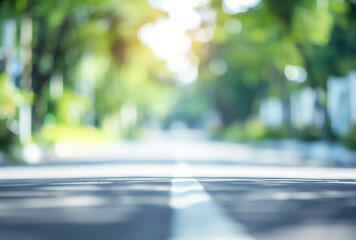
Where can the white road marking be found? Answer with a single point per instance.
(196, 215)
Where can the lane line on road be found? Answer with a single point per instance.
(196, 215)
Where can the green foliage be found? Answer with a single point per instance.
(312, 25)
(310, 133)
(62, 132)
(72, 108)
(190, 108)
(349, 140)
(278, 33)
(11, 99)
(319, 37)
(251, 131)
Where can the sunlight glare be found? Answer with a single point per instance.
(295, 73)
(187, 76)
(171, 6)
(239, 6)
(32, 153)
(169, 39)
(164, 39)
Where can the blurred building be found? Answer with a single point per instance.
(341, 102)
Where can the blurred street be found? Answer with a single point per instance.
(142, 208)
(171, 188)
(178, 120)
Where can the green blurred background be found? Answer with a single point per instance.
(240, 70)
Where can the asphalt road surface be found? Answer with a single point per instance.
(193, 192)
(178, 207)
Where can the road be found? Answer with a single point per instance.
(177, 199)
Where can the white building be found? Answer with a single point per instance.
(341, 102)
